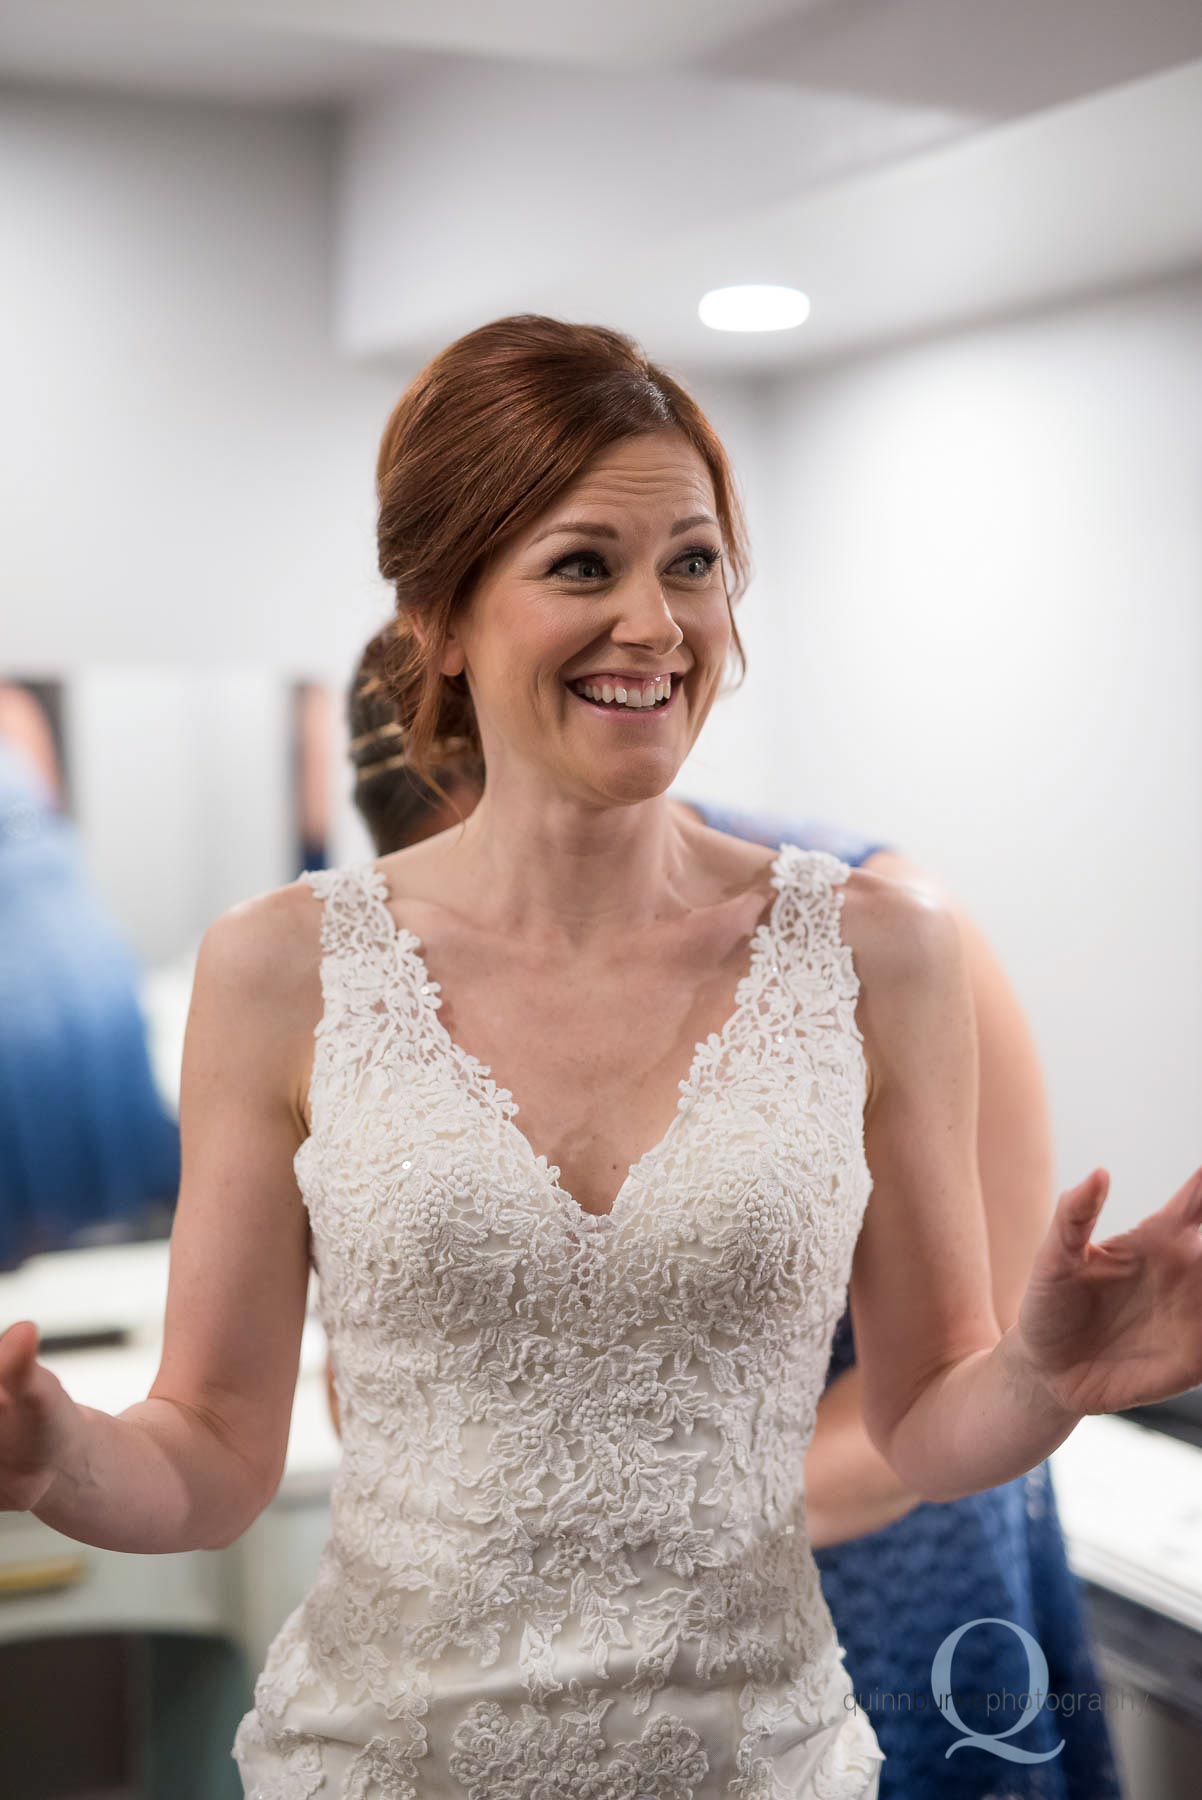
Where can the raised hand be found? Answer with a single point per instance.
(1119, 1323)
(35, 1417)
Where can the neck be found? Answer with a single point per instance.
(582, 877)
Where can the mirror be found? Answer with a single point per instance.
(135, 806)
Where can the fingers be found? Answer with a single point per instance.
(1187, 1201)
(1078, 1208)
(18, 1349)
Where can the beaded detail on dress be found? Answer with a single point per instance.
(568, 1551)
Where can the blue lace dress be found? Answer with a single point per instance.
(895, 1594)
(85, 1140)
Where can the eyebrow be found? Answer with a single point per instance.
(609, 531)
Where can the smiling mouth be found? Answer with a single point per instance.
(632, 701)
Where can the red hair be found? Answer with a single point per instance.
(480, 444)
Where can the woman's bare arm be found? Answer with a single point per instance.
(950, 1400)
(195, 1463)
(851, 1488)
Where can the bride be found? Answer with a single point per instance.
(582, 1319)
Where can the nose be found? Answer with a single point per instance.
(643, 616)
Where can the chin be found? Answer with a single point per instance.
(629, 787)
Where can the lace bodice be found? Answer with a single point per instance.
(568, 1556)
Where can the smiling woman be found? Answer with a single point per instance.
(580, 1345)
(483, 453)
(596, 1599)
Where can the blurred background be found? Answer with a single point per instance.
(230, 234)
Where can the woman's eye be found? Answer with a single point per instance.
(700, 553)
(565, 562)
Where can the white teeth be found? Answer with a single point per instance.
(655, 693)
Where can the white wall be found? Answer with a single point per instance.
(192, 466)
(187, 465)
(984, 576)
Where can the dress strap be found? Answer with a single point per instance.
(819, 963)
(356, 1026)
(355, 923)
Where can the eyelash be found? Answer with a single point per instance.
(712, 557)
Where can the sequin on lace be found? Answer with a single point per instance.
(568, 1556)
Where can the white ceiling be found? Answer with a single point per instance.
(988, 57)
(320, 50)
(908, 163)
(1072, 202)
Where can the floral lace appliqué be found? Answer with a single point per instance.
(568, 1556)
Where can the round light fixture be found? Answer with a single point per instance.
(753, 306)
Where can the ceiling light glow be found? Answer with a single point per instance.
(753, 306)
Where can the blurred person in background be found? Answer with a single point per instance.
(88, 1150)
(311, 752)
(898, 1573)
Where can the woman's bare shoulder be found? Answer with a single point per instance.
(271, 941)
(895, 927)
(899, 932)
(263, 955)
(267, 951)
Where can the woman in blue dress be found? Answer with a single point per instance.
(899, 1574)
(87, 1146)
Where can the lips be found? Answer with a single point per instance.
(617, 707)
(625, 677)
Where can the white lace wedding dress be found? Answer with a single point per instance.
(568, 1556)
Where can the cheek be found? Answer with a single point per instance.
(541, 637)
(523, 685)
(515, 659)
(710, 631)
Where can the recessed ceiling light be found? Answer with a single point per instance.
(753, 306)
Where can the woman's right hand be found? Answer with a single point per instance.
(36, 1416)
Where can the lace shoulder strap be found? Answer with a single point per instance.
(355, 1026)
(356, 946)
(817, 961)
(355, 923)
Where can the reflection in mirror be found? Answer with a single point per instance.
(311, 741)
(119, 844)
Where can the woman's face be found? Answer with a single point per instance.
(629, 593)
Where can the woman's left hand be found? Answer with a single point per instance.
(1107, 1326)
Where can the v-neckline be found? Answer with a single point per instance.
(478, 1075)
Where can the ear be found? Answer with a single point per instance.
(452, 661)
